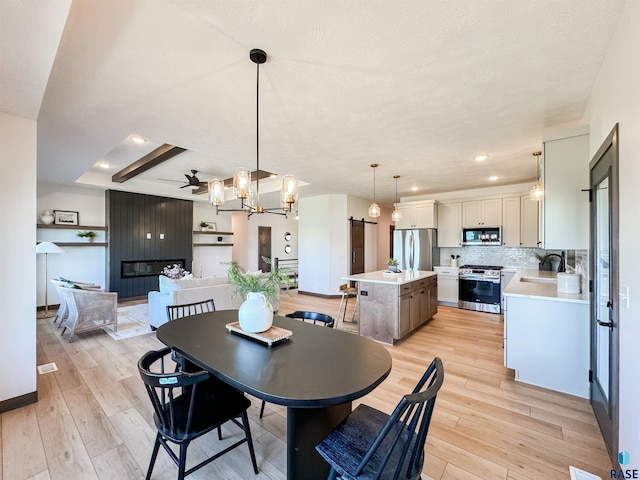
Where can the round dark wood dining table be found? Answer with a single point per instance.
(316, 374)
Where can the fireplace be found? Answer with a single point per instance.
(146, 268)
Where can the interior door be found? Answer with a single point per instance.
(603, 259)
(264, 248)
(357, 247)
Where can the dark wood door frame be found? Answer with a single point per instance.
(264, 248)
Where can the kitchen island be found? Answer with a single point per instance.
(392, 305)
(546, 333)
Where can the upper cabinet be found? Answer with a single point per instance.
(417, 215)
(482, 212)
(529, 222)
(520, 222)
(450, 224)
(511, 221)
(565, 205)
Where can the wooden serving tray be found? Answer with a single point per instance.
(268, 337)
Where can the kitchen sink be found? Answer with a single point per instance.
(538, 280)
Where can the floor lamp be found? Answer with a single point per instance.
(47, 248)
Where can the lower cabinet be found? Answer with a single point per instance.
(390, 312)
(546, 342)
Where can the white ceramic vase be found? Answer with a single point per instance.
(256, 313)
(46, 217)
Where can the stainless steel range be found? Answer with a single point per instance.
(479, 288)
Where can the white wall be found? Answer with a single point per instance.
(83, 264)
(17, 255)
(615, 99)
(324, 241)
(279, 225)
(211, 261)
(322, 249)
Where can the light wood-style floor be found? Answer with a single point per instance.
(94, 421)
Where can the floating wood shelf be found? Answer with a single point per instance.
(213, 244)
(81, 244)
(72, 227)
(210, 232)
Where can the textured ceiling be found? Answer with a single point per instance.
(419, 87)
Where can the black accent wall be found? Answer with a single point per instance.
(130, 216)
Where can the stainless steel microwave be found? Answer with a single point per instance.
(482, 236)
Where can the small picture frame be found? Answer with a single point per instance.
(65, 217)
(211, 227)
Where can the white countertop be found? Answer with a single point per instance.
(406, 276)
(540, 284)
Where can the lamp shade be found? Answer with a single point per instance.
(48, 247)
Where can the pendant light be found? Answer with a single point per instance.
(395, 216)
(242, 189)
(374, 208)
(537, 192)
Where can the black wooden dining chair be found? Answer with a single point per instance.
(189, 405)
(188, 309)
(314, 317)
(371, 444)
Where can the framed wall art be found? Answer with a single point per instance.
(65, 217)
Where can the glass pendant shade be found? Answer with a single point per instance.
(395, 215)
(216, 192)
(536, 192)
(374, 210)
(289, 191)
(242, 182)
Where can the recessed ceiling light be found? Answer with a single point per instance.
(481, 157)
(413, 189)
(493, 178)
(136, 139)
(273, 175)
(104, 165)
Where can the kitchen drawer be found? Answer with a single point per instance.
(404, 289)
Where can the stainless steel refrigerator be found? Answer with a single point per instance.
(416, 249)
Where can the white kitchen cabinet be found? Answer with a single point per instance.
(565, 174)
(447, 285)
(547, 343)
(482, 213)
(417, 215)
(511, 221)
(450, 224)
(505, 277)
(520, 222)
(529, 222)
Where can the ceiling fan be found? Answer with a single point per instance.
(193, 181)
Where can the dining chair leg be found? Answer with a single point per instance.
(156, 447)
(182, 465)
(262, 408)
(332, 474)
(247, 433)
(219, 433)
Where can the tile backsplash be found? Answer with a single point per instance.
(518, 258)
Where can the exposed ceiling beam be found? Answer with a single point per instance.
(150, 160)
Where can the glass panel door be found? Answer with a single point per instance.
(603, 258)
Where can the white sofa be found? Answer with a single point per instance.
(190, 290)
